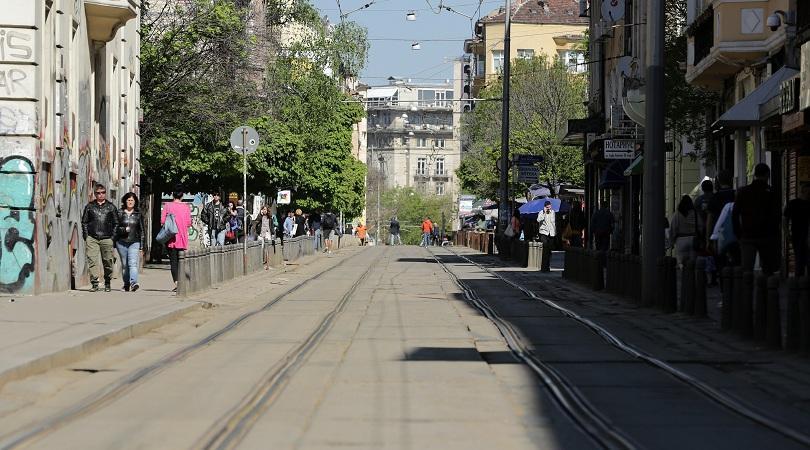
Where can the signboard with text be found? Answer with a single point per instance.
(620, 149)
(528, 174)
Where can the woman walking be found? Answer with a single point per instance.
(264, 228)
(232, 224)
(178, 243)
(131, 242)
(683, 227)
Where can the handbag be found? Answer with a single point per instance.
(509, 232)
(230, 235)
(168, 230)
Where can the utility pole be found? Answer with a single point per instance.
(503, 208)
(379, 182)
(654, 157)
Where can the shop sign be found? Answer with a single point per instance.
(620, 149)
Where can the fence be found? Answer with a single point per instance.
(525, 253)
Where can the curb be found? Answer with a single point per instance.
(81, 350)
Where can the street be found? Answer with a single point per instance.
(389, 347)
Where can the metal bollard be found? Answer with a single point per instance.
(736, 317)
(773, 332)
(747, 305)
(182, 278)
(700, 287)
(793, 327)
(760, 305)
(687, 303)
(804, 315)
(727, 283)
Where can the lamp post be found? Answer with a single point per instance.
(503, 208)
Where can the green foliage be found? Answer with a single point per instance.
(196, 89)
(410, 206)
(544, 95)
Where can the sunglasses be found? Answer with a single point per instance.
(101, 192)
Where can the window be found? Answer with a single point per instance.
(421, 166)
(438, 143)
(525, 53)
(574, 61)
(421, 142)
(480, 68)
(431, 97)
(497, 60)
(439, 166)
(440, 188)
(421, 186)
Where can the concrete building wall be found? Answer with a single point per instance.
(69, 108)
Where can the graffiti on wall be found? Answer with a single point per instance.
(16, 224)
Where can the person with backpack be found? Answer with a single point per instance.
(328, 225)
(213, 216)
(181, 214)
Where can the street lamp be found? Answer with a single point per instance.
(503, 207)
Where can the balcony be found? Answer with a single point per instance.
(729, 36)
(105, 17)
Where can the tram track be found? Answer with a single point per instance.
(121, 387)
(237, 423)
(591, 421)
(730, 403)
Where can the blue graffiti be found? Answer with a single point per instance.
(16, 224)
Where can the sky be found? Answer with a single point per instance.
(441, 36)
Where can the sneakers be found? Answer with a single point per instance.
(107, 287)
(134, 287)
(94, 287)
(125, 288)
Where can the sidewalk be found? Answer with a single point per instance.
(40, 332)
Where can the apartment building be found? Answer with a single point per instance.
(412, 138)
(69, 109)
(552, 28)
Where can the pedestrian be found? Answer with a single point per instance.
(300, 223)
(232, 228)
(393, 229)
(434, 233)
(427, 230)
(729, 254)
(214, 217)
(289, 225)
(131, 240)
(576, 222)
(361, 231)
(264, 228)
(702, 213)
(328, 226)
(515, 224)
(602, 223)
(317, 230)
(243, 220)
(797, 212)
(547, 224)
(99, 225)
(683, 230)
(755, 219)
(178, 243)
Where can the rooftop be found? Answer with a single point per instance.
(540, 12)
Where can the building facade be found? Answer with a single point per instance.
(551, 28)
(69, 109)
(412, 138)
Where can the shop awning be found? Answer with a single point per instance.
(746, 112)
(636, 167)
(613, 175)
(381, 92)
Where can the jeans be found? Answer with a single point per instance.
(100, 255)
(130, 260)
(217, 237)
(425, 240)
(395, 240)
(318, 236)
(174, 262)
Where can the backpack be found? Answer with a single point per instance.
(329, 221)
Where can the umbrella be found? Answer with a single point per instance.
(537, 205)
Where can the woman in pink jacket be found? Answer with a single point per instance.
(182, 217)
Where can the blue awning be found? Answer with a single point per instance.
(613, 174)
(746, 112)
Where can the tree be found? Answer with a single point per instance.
(410, 206)
(544, 95)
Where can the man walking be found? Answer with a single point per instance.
(289, 224)
(547, 223)
(99, 222)
(797, 212)
(213, 216)
(427, 231)
(393, 229)
(756, 222)
(328, 225)
(729, 254)
(602, 227)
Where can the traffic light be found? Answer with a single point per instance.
(466, 90)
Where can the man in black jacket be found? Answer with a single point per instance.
(99, 223)
(756, 217)
(213, 216)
